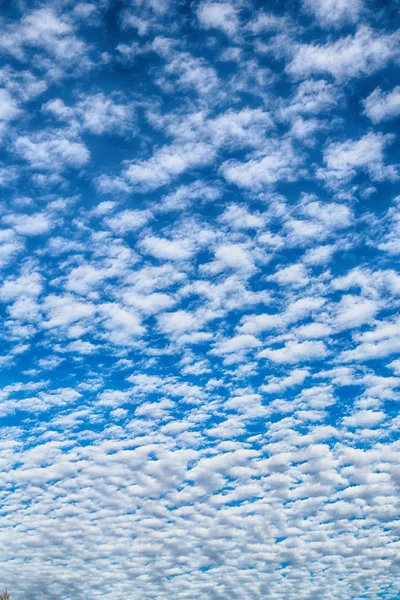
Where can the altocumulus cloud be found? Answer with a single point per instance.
(199, 240)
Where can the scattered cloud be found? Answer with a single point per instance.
(199, 233)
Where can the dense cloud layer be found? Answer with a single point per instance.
(199, 249)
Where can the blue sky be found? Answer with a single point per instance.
(199, 243)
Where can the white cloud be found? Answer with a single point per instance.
(148, 303)
(374, 344)
(356, 55)
(10, 246)
(207, 370)
(234, 256)
(186, 195)
(185, 71)
(52, 152)
(295, 311)
(280, 164)
(295, 275)
(334, 13)
(14, 287)
(218, 15)
(319, 255)
(380, 106)
(44, 31)
(268, 22)
(237, 343)
(9, 108)
(364, 418)
(314, 331)
(331, 214)
(98, 114)
(84, 278)
(127, 220)
(177, 322)
(275, 386)
(294, 352)
(230, 257)
(237, 129)
(344, 159)
(258, 323)
(353, 311)
(168, 163)
(81, 347)
(238, 217)
(63, 310)
(122, 326)
(312, 97)
(29, 225)
(165, 249)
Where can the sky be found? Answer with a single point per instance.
(199, 296)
